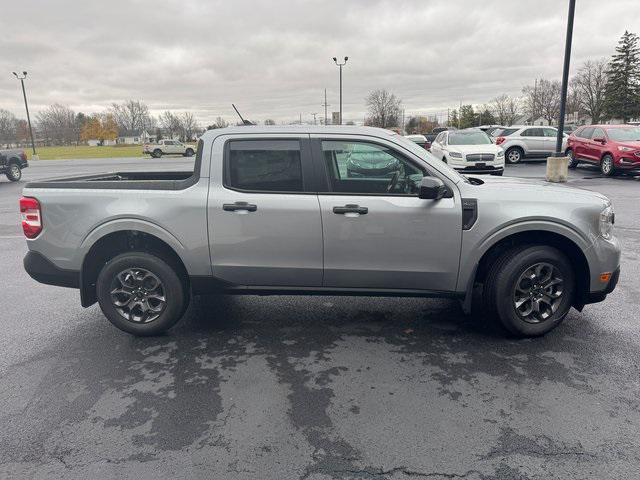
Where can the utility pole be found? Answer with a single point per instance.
(403, 132)
(325, 105)
(340, 65)
(300, 118)
(26, 106)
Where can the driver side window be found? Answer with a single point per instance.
(368, 168)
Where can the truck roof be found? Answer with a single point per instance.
(304, 129)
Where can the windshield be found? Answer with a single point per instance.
(428, 157)
(624, 134)
(469, 138)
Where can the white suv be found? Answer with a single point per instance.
(520, 142)
(469, 151)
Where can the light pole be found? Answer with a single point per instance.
(26, 106)
(340, 65)
(565, 77)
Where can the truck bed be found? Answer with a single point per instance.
(177, 180)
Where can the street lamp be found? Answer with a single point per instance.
(26, 106)
(340, 65)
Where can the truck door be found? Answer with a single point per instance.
(263, 212)
(377, 233)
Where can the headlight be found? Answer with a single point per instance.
(626, 149)
(500, 153)
(607, 219)
(455, 155)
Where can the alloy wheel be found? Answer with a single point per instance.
(514, 156)
(138, 295)
(606, 165)
(538, 292)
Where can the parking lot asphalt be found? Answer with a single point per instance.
(315, 387)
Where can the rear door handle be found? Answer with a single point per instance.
(351, 209)
(234, 207)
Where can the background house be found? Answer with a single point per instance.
(135, 137)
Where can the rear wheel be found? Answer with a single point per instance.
(141, 294)
(529, 290)
(14, 173)
(157, 153)
(514, 155)
(188, 152)
(606, 166)
(573, 163)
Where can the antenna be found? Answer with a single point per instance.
(244, 122)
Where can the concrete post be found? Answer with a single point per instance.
(557, 169)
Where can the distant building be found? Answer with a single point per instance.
(135, 137)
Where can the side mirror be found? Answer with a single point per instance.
(432, 188)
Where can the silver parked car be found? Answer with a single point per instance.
(521, 142)
(272, 210)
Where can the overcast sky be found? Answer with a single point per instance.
(273, 58)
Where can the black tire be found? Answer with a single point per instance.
(157, 153)
(172, 290)
(500, 294)
(607, 167)
(14, 173)
(573, 163)
(444, 160)
(498, 174)
(188, 152)
(514, 155)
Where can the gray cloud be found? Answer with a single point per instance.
(274, 58)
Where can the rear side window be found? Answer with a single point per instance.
(264, 165)
(505, 132)
(585, 132)
(598, 133)
(532, 132)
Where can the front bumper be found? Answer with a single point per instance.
(595, 297)
(42, 270)
(478, 169)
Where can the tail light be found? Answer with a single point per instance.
(500, 140)
(31, 217)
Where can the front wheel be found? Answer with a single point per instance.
(530, 290)
(141, 294)
(157, 153)
(606, 166)
(514, 155)
(573, 163)
(14, 173)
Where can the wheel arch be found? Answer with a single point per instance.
(539, 236)
(117, 242)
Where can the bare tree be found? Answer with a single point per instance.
(131, 115)
(8, 126)
(543, 99)
(383, 109)
(219, 123)
(189, 125)
(170, 123)
(590, 83)
(505, 109)
(57, 124)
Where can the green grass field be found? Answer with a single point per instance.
(84, 151)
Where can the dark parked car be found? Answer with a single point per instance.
(368, 161)
(614, 148)
(12, 162)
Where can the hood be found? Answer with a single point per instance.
(466, 149)
(536, 189)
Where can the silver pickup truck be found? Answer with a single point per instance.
(272, 210)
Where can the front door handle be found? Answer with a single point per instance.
(234, 207)
(351, 209)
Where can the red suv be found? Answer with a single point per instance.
(615, 148)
